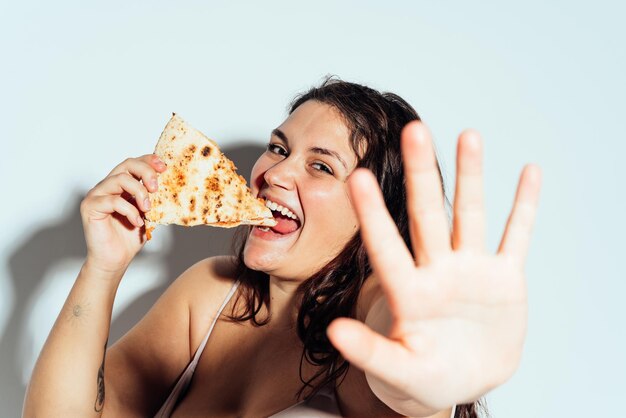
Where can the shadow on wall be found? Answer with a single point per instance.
(52, 245)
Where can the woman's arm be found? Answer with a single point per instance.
(139, 370)
(68, 378)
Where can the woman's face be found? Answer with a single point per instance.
(304, 170)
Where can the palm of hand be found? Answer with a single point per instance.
(457, 323)
(452, 321)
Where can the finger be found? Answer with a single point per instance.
(144, 168)
(430, 233)
(120, 183)
(152, 160)
(388, 254)
(376, 355)
(468, 232)
(99, 207)
(516, 238)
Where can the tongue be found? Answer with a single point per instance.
(285, 224)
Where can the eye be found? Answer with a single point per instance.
(276, 149)
(322, 167)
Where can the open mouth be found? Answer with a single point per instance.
(287, 222)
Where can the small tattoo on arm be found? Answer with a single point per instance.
(77, 312)
(99, 404)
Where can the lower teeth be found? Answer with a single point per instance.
(264, 229)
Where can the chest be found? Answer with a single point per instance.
(245, 371)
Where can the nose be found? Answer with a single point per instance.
(280, 175)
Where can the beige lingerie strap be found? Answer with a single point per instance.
(185, 378)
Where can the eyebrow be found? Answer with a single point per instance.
(318, 150)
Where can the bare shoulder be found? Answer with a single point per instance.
(145, 363)
(207, 284)
(207, 276)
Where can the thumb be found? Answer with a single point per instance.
(376, 355)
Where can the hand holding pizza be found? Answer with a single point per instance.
(112, 212)
(453, 318)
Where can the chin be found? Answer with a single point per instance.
(258, 260)
(277, 264)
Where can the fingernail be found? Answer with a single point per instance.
(139, 221)
(153, 185)
(146, 203)
(158, 161)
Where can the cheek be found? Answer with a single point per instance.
(333, 213)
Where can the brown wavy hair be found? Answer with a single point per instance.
(375, 121)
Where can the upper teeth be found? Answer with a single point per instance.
(278, 208)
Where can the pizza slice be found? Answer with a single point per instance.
(201, 185)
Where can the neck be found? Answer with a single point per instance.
(283, 306)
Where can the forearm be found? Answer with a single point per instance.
(68, 378)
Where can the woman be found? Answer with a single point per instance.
(425, 318)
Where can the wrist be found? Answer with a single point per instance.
(93, 270)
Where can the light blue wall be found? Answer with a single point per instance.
(82, 87)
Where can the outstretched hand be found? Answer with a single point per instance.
(455, 313)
